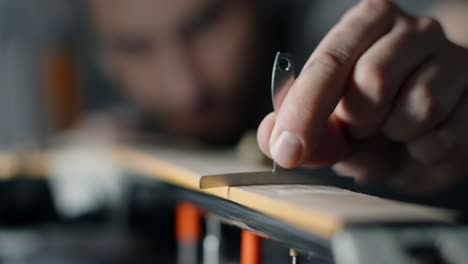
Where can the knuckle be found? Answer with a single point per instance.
(370, 78)
(330, 60)
(405, 25)
(428, 108)
(429, 25)
(421, 110)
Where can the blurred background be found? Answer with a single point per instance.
(193, 71)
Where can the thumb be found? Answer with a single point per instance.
(264, 132)
(331, 147)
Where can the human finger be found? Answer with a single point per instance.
(437, 145)
(264, 132)
(428, 98)
(303, 119)
(382, 70)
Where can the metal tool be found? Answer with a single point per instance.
(281, 80)
(300, 176)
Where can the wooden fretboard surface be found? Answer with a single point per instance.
(321, 210)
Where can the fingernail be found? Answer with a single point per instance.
(287, 150)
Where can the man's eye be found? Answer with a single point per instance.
(133, 47)
(204, 20)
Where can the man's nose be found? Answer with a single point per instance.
(181, 78)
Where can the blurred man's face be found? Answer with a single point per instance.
(190, 63)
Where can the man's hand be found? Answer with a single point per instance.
(382, 98)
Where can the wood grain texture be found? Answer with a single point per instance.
(319, 210)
